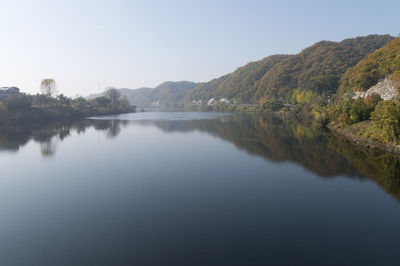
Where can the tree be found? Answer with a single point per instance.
(101, 102)
(387, 118)
(18, 102)
(63, 99)
(48, 87)
(373, 99)
(270, 104)
(3, 110)
(360, 111)
(113, 95)
(80, 103)
(40, 100)
(124, 103)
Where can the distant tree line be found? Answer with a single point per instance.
(49, 105)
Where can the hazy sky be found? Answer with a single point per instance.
(88, 45)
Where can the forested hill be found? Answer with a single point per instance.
(317, 68)
(367, 106)
(239, 85)
(384, 62)
(165, 94)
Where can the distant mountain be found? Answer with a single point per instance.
(317, 68)
(165, 94)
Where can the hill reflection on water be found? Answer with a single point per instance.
(314, 149)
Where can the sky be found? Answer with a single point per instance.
(89, 45)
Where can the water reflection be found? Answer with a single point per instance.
(316, 150)
(48, 148)
(13, 137)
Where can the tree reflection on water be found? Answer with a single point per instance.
(315, 149)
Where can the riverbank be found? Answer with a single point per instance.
(363, 133)
(21, 107)
(359, 134)
(223, 107)
(36, 115)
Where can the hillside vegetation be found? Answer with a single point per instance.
(315, 71)
(239, 85)
(370, 119)
(385, 62)
(317, 68)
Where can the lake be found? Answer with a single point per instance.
(194, 189)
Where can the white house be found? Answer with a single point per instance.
(198, 102)
(212, 101)
(224, 100)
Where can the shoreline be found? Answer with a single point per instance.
(38, 116)
(352, 134)
(349, 132)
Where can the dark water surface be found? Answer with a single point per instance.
(194, 189)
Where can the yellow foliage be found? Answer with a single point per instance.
(3, 107)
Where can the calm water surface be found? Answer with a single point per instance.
(194, 189)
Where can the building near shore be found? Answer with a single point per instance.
(224, 100)
(198, 102)
(212, 101)
(8, 91)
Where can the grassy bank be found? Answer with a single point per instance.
(365, 134)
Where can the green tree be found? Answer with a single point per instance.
(80, 103)
(102, 102)
(124, 104)
(359, 111)
(270, 104)
(386, 117)
(18, 102)
(63, 99)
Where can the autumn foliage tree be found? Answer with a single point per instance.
(48, 87)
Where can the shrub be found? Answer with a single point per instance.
(18, 102)
(373, 99)
(303, 96)
(270, 104)
(386, 117)
(64, 100)
(3, 109)
(80, 103)
(360, 111)
(40, 100)
(101, 102)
